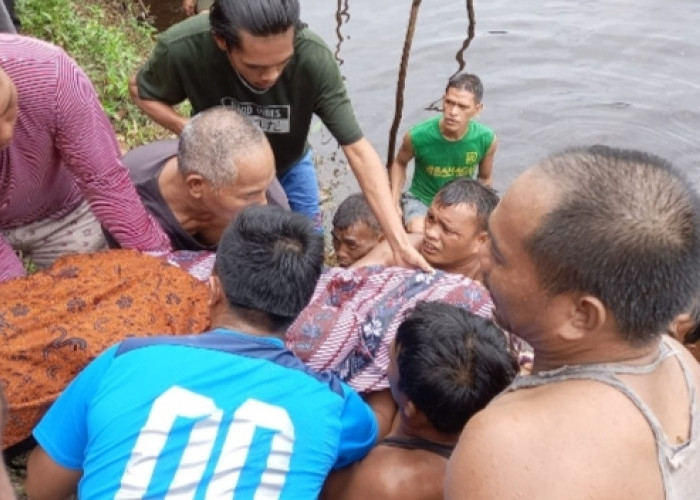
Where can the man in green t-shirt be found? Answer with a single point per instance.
(260, 59)
(444, 147)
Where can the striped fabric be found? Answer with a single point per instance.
(353, 316)
(64, 150)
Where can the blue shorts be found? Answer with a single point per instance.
(301, 185)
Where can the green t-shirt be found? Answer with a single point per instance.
(187, 64)
(439, 160)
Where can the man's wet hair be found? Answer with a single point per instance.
(256, 17)
(464, 190)
(355, 209)
(212, 142)
(469, 82)
(451, 363)
(626, 229)
(268, 262)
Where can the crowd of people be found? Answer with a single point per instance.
(537, 345)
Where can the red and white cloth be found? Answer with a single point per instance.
(353, 316)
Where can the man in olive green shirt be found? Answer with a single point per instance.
(258, 57)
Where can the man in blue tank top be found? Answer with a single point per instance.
(227, 413)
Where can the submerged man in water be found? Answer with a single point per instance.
(455, 230)
(445, 147)
(356, 230)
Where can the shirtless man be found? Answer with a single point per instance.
(437, 390)
(592, 253)
(455, 230)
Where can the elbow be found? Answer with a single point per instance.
(134, 90)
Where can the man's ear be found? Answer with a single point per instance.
(410, 409)
(479, 241)
(479, 107)
(414, 415)
(221, 43)
(681, 325)
(216, 292)
(195, 185)
(588, 314)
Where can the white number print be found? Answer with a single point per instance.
(178, 402)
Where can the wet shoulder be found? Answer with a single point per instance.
(397, 473)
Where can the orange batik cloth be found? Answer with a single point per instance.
(54, 322)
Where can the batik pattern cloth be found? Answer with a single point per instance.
(54, 322)
(353, 316)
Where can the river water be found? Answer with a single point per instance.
(556, 73)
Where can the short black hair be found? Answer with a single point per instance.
(625, 229)
(464, 190)
(469, 82)
(269, 261)
(355, 209)
(451, 363)
(257, 17)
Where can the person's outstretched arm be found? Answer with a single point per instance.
(374, 182)
(397, 170)
(88, 146)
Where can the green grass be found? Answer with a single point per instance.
(110, 41)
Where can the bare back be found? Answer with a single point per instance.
(391, 473)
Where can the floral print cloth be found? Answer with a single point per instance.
(354, 313)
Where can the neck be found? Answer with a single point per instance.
(176, 194)
(229, 320)
(470, 268)
(599, 352)
(453, 136)
(407, 430)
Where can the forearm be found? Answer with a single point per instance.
(158, 111)
(10, 265)
(116, 204)
(374, 182)
(397, 178)
(86, 143)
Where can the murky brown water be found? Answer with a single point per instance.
(556, 73)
